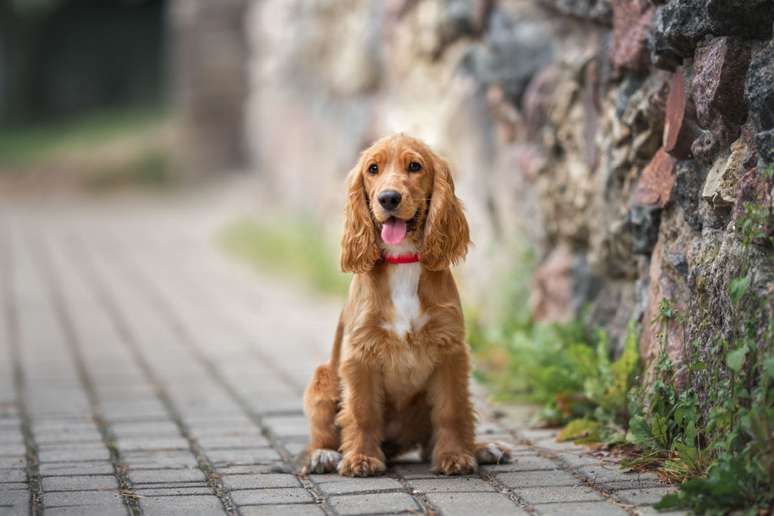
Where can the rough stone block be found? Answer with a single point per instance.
(720, 68)
(680, 130)
(491, 504)
(656, 181)
(631, 23)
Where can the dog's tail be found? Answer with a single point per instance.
(336, 353)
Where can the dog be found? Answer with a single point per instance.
(397, 378)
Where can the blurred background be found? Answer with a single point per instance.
(614, 156)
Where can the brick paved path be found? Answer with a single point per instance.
(142, 372)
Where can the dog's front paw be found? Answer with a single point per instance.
(321, 461)
(455, 463)
(359, 465)
(493, 453)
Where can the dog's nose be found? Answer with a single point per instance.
(389, 199)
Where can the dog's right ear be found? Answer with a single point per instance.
(359, 249)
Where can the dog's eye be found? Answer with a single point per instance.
(414, 167)
(373, 169)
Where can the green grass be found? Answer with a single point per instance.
(25, 146)
(294, 248)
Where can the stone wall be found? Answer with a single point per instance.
(622, 139)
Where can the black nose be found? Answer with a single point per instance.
(389, 199)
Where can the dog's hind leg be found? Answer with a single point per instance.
(321, 400)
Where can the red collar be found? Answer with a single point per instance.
(402, 258)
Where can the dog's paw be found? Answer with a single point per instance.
(454, 464)
(493, 453)
(322, 461)
(359, 465)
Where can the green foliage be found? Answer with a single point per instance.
(724, 454)
(564, 367)
(297, 249)
(752, 225)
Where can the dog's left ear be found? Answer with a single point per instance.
(447, 235)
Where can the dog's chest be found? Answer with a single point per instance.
(407, 315)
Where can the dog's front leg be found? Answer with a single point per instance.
(361, 420)
(452, 417)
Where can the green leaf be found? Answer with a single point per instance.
(735, 359)
(738, 288)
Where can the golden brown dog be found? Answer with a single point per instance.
(398, 375)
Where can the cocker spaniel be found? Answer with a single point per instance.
(397, 378)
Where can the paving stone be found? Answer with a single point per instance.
(12, 449)
(250, 469)
(452, 484)
(158, 476)
(12, 486)
(85, 510)
(181, 506)
(244, 456)
(334, 484)
(577, 459)
(79, 483)
(71, 453)
(150, 490)
(76, 468)
(600, 473)
(536, 495)
(650, 511)
(160, 459)
(633, 483)
(13, 475)
(285, 426)
(281, 510)
(523, 463)
(537, 478)
(260, 481)
(80, 498)
(647, 496)
(152, 443)
(232, 441)
(12, 462)
(580, 509)
(145, 428)
(373, 503)
(276, 496)
(413, 470)
(489, 504)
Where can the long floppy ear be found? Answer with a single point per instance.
(359, 250)
(446, 231)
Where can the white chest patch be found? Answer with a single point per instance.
(407, 312)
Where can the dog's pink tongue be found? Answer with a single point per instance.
(394, 231)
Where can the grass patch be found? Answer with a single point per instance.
(295, 249)
(27, 146)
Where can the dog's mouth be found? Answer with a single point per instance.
(394, 230)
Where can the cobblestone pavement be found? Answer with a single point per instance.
(142, 372)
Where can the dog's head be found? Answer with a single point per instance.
(401, 195)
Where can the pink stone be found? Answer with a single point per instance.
(656, 181)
